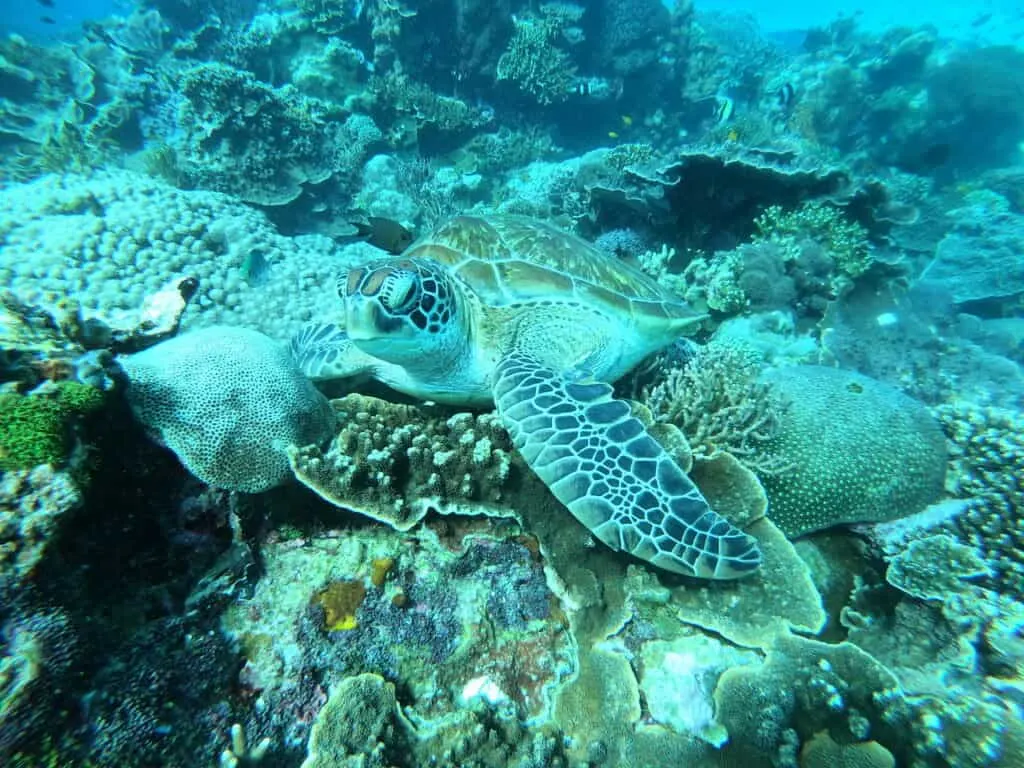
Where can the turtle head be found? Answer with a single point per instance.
(401, 310)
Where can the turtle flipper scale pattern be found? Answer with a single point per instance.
(599, 460)
(318, 348)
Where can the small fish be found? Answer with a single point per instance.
(46, 3)
(981, 20)
(613, 134)
(627, 120)
(47, 20)
(386, 234)
(784, 95)
(724, 109)
(255, 267)
(596, 88)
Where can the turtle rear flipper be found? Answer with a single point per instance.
(598, 460)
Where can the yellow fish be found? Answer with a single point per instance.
(613, 135)
(627, 120)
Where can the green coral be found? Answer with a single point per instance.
(35, 429)
(845, 240)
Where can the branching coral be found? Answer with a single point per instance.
(845, 240)
(988, 466)
(719, 404)
(534, 62)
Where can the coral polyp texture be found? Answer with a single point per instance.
(229, 402)
(110, 238)
(857, 450)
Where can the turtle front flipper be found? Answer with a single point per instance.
(324, 351)
(598, 460)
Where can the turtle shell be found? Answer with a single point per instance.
(514, 260)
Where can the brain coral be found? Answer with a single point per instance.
(228, 402)
(860, 451)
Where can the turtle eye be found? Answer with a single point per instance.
(401, 295)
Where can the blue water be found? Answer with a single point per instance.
(25, 18)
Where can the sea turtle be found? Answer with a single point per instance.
(513, 311)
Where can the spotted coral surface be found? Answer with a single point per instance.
(859, 451)
(228, 402)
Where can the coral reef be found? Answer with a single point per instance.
(300, 143)
(228, 402)
(987, 456)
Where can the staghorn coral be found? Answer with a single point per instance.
(987, 467)
(228, 402)
(716, 400)
(859, 451)
(396, 462)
